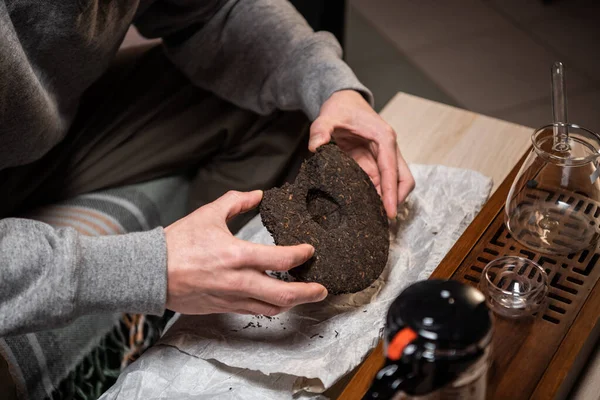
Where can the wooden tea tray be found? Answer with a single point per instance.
(535, 359)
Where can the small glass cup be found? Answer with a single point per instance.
(514, 286)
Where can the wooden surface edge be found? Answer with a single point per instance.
(361, 382)
(587, 384)
(566, 356)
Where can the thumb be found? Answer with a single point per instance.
(320, 133)
(233, 203)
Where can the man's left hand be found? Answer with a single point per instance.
(362, 134)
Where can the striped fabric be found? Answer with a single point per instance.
(83, 359)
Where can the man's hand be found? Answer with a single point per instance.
(362, 134)
(211, 271)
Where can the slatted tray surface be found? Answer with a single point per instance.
(537, 358)
(522, 349)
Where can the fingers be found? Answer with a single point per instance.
(388, 168)
(320, 133)
(241, 305)
(407, 181)
(256, 307)
(284, 294)
(273, 258)
(258, 293)
(233, 203)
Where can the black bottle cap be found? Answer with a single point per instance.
(450, 314)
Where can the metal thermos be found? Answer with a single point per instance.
(437, 344)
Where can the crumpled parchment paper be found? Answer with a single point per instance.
(307, 349)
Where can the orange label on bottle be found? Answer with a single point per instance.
(399, 342)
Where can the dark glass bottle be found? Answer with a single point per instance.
(438, 344)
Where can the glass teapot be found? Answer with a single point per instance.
(554, 203)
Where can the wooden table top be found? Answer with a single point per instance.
(433, 133)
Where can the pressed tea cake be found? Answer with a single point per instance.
(333, 206)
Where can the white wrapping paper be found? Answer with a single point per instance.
(307, 349)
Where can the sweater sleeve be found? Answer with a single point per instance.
(49, 277)
(260, 55)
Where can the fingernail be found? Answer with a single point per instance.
(324, 294)
(390, 215)
(394, 208)
(313, 142)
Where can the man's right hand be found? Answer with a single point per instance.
(211, 271)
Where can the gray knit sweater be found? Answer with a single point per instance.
(258, 54)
